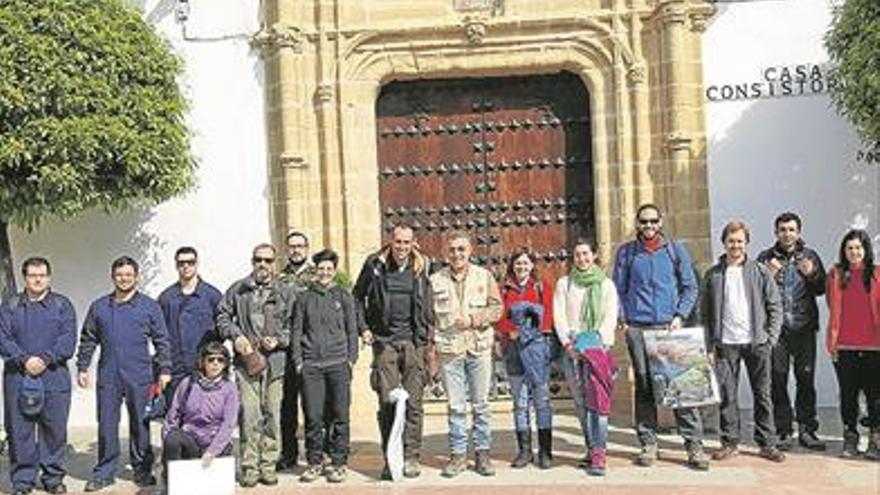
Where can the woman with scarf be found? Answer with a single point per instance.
(853, 338)
(585, 317)
(203, 412)
(523, 332)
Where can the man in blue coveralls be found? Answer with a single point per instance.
(123, 323)
(37, 338)
(189, 306)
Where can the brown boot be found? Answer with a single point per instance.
(483, 464)
(456, 465)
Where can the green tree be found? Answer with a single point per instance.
(91, 115)
(853, 42)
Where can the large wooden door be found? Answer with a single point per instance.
(506, 159)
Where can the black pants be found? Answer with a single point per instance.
(858, 372)
(688, 420)
(400, 364)
(797, 349)
(326, 393)
(290, 415)
(180, 445)
(757, 359)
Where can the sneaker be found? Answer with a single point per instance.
(725, 452)
(772, 454)
(809, 440)
(456, 465)
(873, 452)
(311, 473)
(850, 444)
(249, 479)
(336, 474)
(59, 488)
(412, 468)
(697, 458)
(483, 464)
(648, 455)
(144, 478)
(597, 462)
(96, 484)
(785, 442)
(269, 478)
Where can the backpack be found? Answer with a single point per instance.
(671, 249)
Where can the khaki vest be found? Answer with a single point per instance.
(448, 307)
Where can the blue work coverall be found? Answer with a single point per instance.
(125, 371)
(44, 328)
(189, 319)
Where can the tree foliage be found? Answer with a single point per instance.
(91, 114)
(853, 43)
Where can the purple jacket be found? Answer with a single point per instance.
(209, 415)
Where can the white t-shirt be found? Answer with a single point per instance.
(736, 327)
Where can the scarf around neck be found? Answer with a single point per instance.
(591, 309)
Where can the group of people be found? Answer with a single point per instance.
(295, 336)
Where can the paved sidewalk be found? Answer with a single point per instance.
(803, 473)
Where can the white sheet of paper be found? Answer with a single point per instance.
(190, 478)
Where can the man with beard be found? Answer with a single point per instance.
(255, 314)
(123, 324)
(395, 302)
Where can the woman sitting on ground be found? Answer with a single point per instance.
(204, 411)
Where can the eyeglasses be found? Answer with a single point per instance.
(257, 259)
(215, 359)
(646, 221)
(191, 262)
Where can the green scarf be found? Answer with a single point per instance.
(321, 289)
(591, 310)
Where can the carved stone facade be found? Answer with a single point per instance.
(640, 61)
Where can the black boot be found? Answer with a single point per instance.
(545, 448)
(524, 456)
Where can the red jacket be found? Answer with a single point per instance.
(834, 296)
(511, 294)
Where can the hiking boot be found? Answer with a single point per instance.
(144, 478)
(311, 473)
(456, 465)
(336, 474)
(98, 484)
(725, 452)
(809, 440)
(524, 455)
(483, 464)
(850, 444)
(412, 468)
(785, 442)
(697, 458)
(545, 448)
(873, 452)
(772, 454)
(269, 478)
(597, 462)
(648, 455)
(249, 479)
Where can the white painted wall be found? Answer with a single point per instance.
(771, 155)
(223, 217)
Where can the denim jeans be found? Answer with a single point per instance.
(575, 385)
(525, 394)
(597, 426)
(467, 378)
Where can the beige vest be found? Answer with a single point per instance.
(449, 308)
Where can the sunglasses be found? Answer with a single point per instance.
(216, 359)
(257, 259)
(186, 262)
(651, 221)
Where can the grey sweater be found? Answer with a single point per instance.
(762, 294)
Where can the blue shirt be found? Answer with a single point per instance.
(654, 287)
(124, 330)
(44, 328)
(190, 321)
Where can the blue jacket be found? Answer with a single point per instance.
(799, 293)
(655, 287)
(190, 321)
(124, 331)
(46, 329)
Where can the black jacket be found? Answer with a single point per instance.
(324, 331)
(373, 306)
(798, 292)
